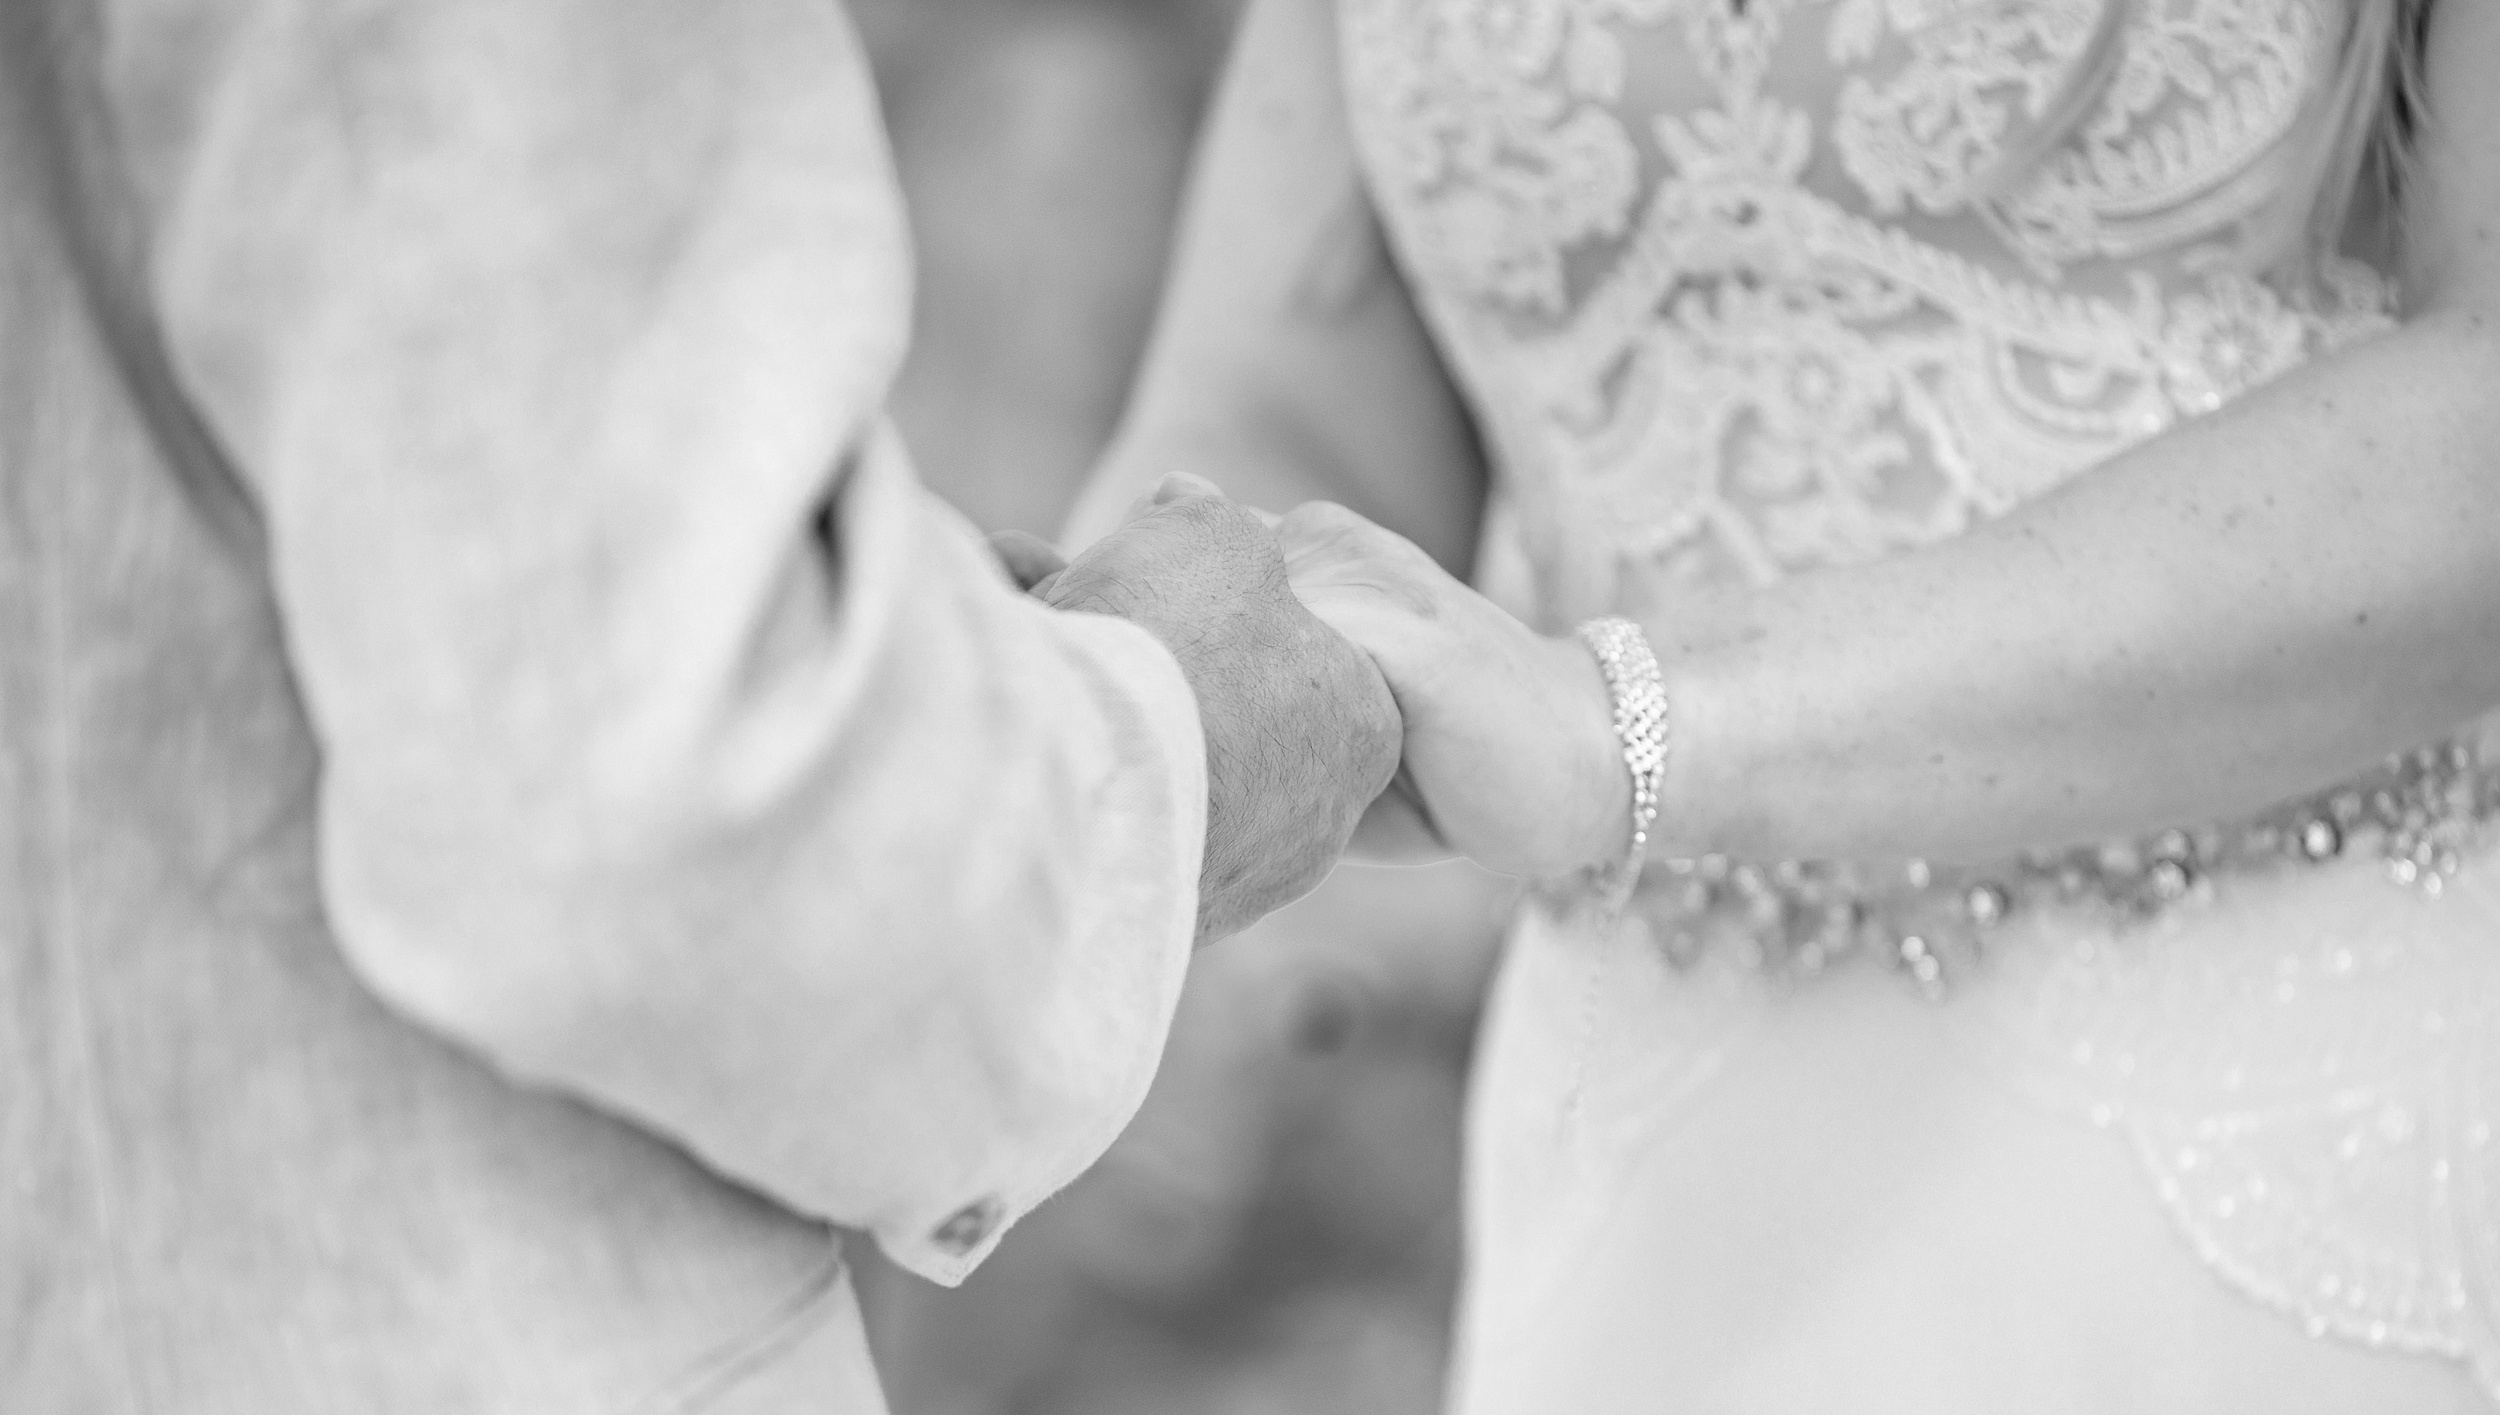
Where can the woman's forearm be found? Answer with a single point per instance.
(2249, 606)
(1271, 460)
(1289, 363)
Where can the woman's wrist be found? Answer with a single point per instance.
(1724, 717)
(1696, 678)
(1599, 822)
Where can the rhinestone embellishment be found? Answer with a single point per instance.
(1640, 720)
(2421, 812)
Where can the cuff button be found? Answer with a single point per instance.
(966, 1228)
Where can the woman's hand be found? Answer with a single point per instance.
(1511, 757)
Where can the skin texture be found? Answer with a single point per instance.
(1301, 730)
(1288, 362)
(1511, 757)
(2250, 606)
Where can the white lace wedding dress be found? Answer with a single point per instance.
(2202, 1121)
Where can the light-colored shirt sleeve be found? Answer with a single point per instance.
(680, 751)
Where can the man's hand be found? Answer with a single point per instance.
(1301, 731)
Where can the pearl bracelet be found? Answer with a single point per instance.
(1640, 716)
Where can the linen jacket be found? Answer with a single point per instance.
(519, 820)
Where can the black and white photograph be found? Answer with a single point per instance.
(1249, 707)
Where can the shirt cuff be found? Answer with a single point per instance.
(1127, 959)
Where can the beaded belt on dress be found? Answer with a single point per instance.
(2420, 813)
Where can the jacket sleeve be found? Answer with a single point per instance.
(679, 751)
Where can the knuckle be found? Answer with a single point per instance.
(1212, 522)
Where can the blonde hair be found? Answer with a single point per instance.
(2356, 127)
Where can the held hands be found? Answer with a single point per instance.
(1510, 754)
(1301, 732)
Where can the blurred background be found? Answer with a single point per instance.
(1278, 1232)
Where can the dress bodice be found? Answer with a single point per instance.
(1716, 276)
(1734, 295)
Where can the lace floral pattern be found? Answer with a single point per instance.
(1708, 349)
(2203, 93)
(1720, 282)
(1522, 156)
